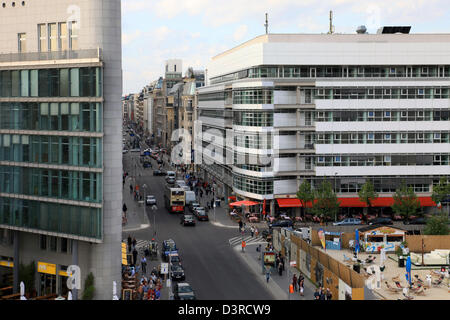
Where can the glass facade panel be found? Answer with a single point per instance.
(53, 36)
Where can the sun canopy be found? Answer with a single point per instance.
(381, 202)
(243, 203)
(289, 203)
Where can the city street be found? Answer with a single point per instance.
(212, 267)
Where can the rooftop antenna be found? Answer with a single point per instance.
(267, 24)
(331, 23)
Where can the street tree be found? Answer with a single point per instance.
(437, 225)
(441, 192)
(406, 203)
(326, 204)
(305, 194)
(367, 194)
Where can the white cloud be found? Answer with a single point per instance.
(240, 32)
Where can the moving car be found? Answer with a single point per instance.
(381, 220)
(171, 174)
(151, 200)
(201, 214)
(177, 272)
(281, 224)
(183, 291)
(193, 205)
(159, 173)
(168, 247)
(170, 180)
(187, 220)
(348, 222)
(419, 220)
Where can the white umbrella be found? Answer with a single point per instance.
(115, 297)
(69, 295)
(22, 291)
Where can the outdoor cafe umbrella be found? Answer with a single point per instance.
(22, 291)
(408, 270)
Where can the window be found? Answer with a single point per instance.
(387, 92)
(337, 159)
(42, 31)
(43, 242)
(387, 114)
(53, 243)
(420, 92)
(73, 45)
(371, 92)
(387, 158)
(321, 159)
(371, 114)
(63, 43)
(53, 36)
(22, 42)
(370, 136)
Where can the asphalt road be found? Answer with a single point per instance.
(212, 267)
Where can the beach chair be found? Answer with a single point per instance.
(407, 297)
(420, 291)
(438, 282)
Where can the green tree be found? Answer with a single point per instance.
(88, 293)
(327, 204)
(406, 203)
(441, 191)
(305, 194)
(437, 225)
(367, 194)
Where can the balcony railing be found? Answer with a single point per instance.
(53, 55)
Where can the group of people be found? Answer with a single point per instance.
(322, 294)
(299, 283)
(149, 288)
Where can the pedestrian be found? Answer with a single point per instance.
(252, 231)
(131, 188)
(212, 203)
(267, 274)
(124, 209)
(294, 282)
(240, 225)
(277, 261)
(134, 243)
(329, 294)
(301, 286)
(282, 262)
(280, 269)
(256, 232)
(316, 294)
(134, 256)
(322, 294)
(144, 265)
(129, 243)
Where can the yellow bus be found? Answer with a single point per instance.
(174, 199)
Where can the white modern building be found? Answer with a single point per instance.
(60, 142)
(339, 107)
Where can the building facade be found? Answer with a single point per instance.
(346, 108)
(60, 141)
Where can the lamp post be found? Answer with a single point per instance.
(145, 198)
(335, 191)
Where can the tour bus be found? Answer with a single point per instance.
(174, 199)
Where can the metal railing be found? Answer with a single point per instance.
(53, 55)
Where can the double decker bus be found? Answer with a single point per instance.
(174, 199)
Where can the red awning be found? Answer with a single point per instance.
(243, 203)
(289, 203)
(381, 202)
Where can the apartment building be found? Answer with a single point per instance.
(346, 108)
(60, 142)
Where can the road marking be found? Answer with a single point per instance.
(236, 241)
(218, 224)
(143, 226)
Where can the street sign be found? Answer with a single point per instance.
(164, 268)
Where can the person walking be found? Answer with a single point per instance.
(316, 294)
(294, 282)
(329, 295)
(301, 286)
(282, 261)
(240, 225)
(280, 268)
(134, 256)
(129, 241)
(134, 243)
(144, 265)
(322, 294)
(267, 274)
(252, 231)
(124, 209)
(131, 188)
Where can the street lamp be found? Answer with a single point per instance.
(335, 191)
(145, 198)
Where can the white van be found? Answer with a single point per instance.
(190, 197)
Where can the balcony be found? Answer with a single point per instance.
(53, 55)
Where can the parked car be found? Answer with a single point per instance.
(281, 224)
(193, 205)
(187, 220)
(348, 222)
(124, 151)
(159, 172)
(151, 200)
(183, 291)
(170, 180)
(201, 214)
(370, 217)
(381, 220)
(174, 259)
(397, 217)
(418, 220)
(177, 272)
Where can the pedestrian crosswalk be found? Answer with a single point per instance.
(141, 244)
(248, 240)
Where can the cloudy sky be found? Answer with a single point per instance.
(196, 30)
